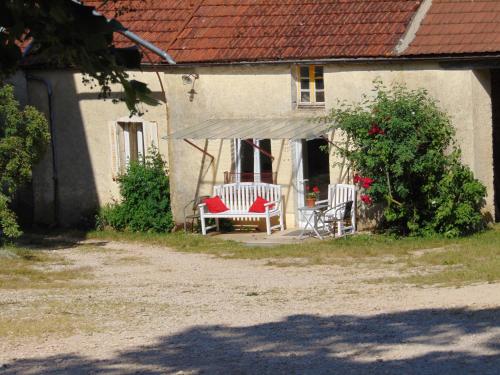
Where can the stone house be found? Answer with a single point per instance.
(249, 76)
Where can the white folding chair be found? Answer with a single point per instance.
(341, 212)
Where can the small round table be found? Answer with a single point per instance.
(314, 220)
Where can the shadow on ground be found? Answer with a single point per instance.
(54, 241)
(428, 341)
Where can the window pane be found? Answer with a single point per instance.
(266, 163)
(122, 156)
(134, 147)
(320, 84)
(304, 72)
(305, 97)
(304, 84)
(246, 157)
(140, 141)
(320, 96)
(318, 71)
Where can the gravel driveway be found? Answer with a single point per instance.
(153, 310)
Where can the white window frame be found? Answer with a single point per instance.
(140, 140)
(256, 160)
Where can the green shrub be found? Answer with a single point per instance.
(401, 146)
(24, 135)
(145, 205)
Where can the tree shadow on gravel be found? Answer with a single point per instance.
(52, 241)
(432, 341)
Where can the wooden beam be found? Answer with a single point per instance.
(200, 149)
(262, 151)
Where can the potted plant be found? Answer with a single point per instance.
(311, 195)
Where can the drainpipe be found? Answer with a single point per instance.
(55, 179)
(150, 46)
(136, 38)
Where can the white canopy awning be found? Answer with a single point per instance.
(269, 128)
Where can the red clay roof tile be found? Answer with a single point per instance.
(254, 30)
(458, 26)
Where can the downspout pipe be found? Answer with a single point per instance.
(127, 34)
(150, 46)
(136, 38)
(55, 178)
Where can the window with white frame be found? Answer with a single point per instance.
(130, 141)
(253, 160)
(311, 86)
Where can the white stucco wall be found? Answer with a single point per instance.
(268, 91)
(223, 92)
(244, 91)
(83, 145)
(463, 94)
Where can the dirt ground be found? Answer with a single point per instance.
(151, 310)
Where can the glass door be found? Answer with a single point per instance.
(311, 168)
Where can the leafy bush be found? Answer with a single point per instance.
(146, 199)
(24, 135)
(401, 146)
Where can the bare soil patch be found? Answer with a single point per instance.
(148, 309)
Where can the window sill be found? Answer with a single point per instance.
(311, 106)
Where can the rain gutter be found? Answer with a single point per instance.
(350, 60)
(136, 38)
(126, 33)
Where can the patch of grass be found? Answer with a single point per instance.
(474, 259)
(58, 325)
(458, 261)
(58, 315)
(318, 252)
(33, 269)
(127, 260)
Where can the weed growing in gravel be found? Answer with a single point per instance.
(33, 269)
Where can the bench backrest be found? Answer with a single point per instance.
(240, 196)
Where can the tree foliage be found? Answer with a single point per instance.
(24, 135)
(65, 33)
(145, 206)
(401, 146)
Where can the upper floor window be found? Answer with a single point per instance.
(311, 85)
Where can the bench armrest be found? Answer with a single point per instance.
(276, 204)
(202, 207)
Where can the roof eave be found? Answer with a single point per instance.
(354, 60)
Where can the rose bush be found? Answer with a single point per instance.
(401, 145)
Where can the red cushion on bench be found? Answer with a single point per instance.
(258, 205)
(215, 205)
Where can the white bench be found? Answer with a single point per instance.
(239, 197)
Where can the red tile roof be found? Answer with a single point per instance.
(458, 27)
(157, 21)
(256, 30)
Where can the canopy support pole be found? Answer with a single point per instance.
(262, 151)
(200, 149)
